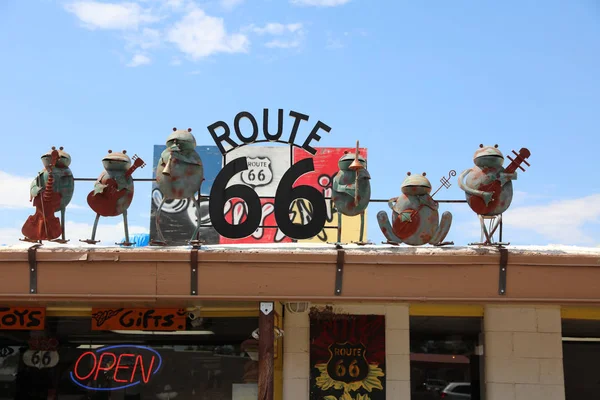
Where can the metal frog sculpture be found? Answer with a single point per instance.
(415, 215)
(351, 191)
(54, 181)
(179, 175)
(113, 190)
(488, 186)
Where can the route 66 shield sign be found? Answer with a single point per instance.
(40, 359)
(259, 172)
(347, 363)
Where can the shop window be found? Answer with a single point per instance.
(581, 351)
(444, 360)
(214, 360)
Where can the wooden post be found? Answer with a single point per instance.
(266, 341)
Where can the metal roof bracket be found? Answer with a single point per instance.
(194, 272)
(339, 270)
(31, 256)
(503, 271)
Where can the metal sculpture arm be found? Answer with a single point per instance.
(343, 188)
(392, 202)
(428, 201)
(486, 196)
(506, 177)
(350, 188)
(98, 185)
(363, 174)
(36, 185)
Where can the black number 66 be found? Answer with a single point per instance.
(284, 196)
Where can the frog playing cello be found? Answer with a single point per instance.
(44, 225)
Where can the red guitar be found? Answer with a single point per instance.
(478, 204)
(44, 225)
(105, 203)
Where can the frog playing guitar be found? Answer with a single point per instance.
(415, 217)
(488, 186)
(113, 190)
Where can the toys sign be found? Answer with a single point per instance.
(22, 318)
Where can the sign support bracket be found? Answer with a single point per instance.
(503, 271)
(266, 349)
(339, 270)
(194, 272)
(31, 256)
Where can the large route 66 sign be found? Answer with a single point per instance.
(256, 171)
(40, 359)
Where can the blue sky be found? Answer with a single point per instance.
(421, 85)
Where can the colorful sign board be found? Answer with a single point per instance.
(143, 319)
(266, 167)
(347, 357)
(116, 367)
(22, 318)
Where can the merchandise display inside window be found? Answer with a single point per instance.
(581, 350)
(212, 360)
(443, 358)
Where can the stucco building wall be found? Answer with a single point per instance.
(523, 353)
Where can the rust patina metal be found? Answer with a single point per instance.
(415, 217)
(351, 191)
(488, 186)
(56, 179)
(179, 175)
(113, 190)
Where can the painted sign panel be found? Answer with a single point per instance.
(274, 161)
(116, 367)
(266, 167)
(347, 357)
(22, 318)
(326, 167)
(142, 319)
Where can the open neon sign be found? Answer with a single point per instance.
(124, 365)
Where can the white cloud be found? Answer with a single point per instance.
(560, 221)
(108, 232)
(291, 34)
(320, 3)
(139, 59)
(175, 4)
(195, 34)
(230, 4)
(118, 16)
(283, 44)
(199, 35)
(147, 39)
(14, 191)
(275, 28)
